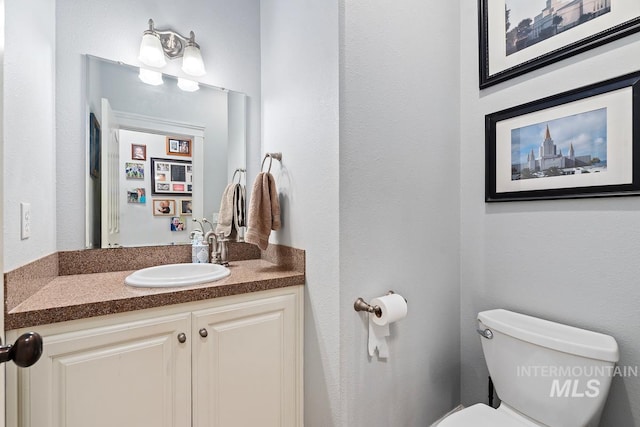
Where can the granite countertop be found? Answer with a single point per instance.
(78, 296)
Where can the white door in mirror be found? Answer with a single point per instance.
(174, 275)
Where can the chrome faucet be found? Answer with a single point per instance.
(223, 249)
(201, 226)
(218, 250)
(209, 223)
(214, 247)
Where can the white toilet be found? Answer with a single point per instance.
(546, 374)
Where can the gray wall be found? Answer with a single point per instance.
(399, 219)
(574, 262)
(388, 222)
(29, 131)
(300, 119)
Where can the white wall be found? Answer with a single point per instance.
(228, 34)
(300, 119)
(2, 179)
(399, 207)
(29, 131)
(572, 261)
(237, 154)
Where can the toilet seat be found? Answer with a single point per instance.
(480, 415)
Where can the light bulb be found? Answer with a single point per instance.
(188, 85)
(192, 63)
(151, 52)
(150, 77)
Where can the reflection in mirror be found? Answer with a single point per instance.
(158, 156)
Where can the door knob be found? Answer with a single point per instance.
(24, 352)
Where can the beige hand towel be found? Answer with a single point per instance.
(225, 216)
(264, 211)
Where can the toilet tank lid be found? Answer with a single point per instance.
(556, 336)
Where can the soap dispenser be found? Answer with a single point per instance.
(199, 248)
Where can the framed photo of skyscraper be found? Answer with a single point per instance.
(581, 143)
(519, 36)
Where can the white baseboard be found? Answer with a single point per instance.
(456, 409)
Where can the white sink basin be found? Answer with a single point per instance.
(173, 275)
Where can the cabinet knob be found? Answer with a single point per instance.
(182, 338)
(203, 333)
(24, 352)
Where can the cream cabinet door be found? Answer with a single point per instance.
(131, 374)
(247, 364)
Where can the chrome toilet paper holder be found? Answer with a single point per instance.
(362, 305)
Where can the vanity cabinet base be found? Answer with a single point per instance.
(233, 361)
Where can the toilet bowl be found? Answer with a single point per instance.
(545, 373)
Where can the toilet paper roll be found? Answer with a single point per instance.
(393, 307)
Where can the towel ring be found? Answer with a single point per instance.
(270, 156)
(240, 171)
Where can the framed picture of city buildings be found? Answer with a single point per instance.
(581, 143)
(519, 36)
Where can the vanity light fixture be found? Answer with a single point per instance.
(158, 44)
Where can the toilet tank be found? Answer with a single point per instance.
(555, 374)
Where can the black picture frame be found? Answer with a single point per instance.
(171, 177)
(551, 52)
(94, 146)
(575, 112)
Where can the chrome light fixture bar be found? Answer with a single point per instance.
(158, 44)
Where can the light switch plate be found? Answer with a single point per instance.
(25, 220)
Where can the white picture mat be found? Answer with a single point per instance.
(621, 11)
(619, 144)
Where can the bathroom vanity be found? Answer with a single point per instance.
(217, 354)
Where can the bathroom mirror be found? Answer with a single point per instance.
(156, 153)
